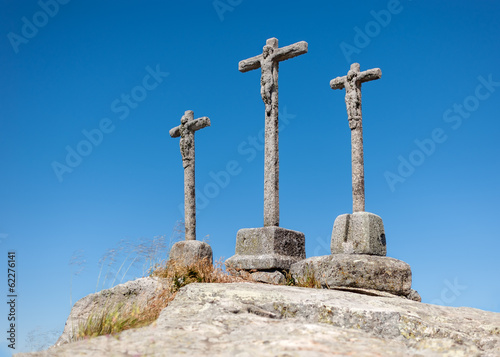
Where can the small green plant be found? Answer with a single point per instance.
(307, 281)
(290, 280)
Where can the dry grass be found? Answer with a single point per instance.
(173, 276)
(114, 319)
(110, 321)
(202, 272)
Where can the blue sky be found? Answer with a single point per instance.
(124, 72)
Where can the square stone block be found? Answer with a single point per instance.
(358, 233)
(190, 252)
(267, 248)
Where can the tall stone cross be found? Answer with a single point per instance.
(186, 131)
(352, 84)
(268, 62)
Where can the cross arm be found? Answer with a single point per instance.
(338, 83)
(291, 51)
(175, 132)
(370, 75)
(199, 123)
(249, 64)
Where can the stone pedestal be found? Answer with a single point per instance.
(356, 271)
(358, 233)
(190, 252)
(267, 249)
(358, 259)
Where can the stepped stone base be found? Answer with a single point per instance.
(356, 271)
(189, 252)
(267, 248)
(358, 233)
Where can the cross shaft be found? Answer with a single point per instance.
(352, 84)
(268, 61)
(186, 131)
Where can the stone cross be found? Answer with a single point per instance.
(268, 61)
(352, 84)
(186, 132)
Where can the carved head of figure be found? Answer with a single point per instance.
(351, 75)
(267, 51)
(353, 72)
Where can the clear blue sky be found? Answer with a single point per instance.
(431, 128)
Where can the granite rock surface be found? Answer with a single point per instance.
(250, 319)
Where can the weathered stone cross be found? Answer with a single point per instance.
(352, 84)
(186, 131)
(268, 61)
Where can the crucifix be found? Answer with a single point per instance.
(352, 84)
(268, 62)
(186, 131)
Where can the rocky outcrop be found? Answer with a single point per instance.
(250, 319)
